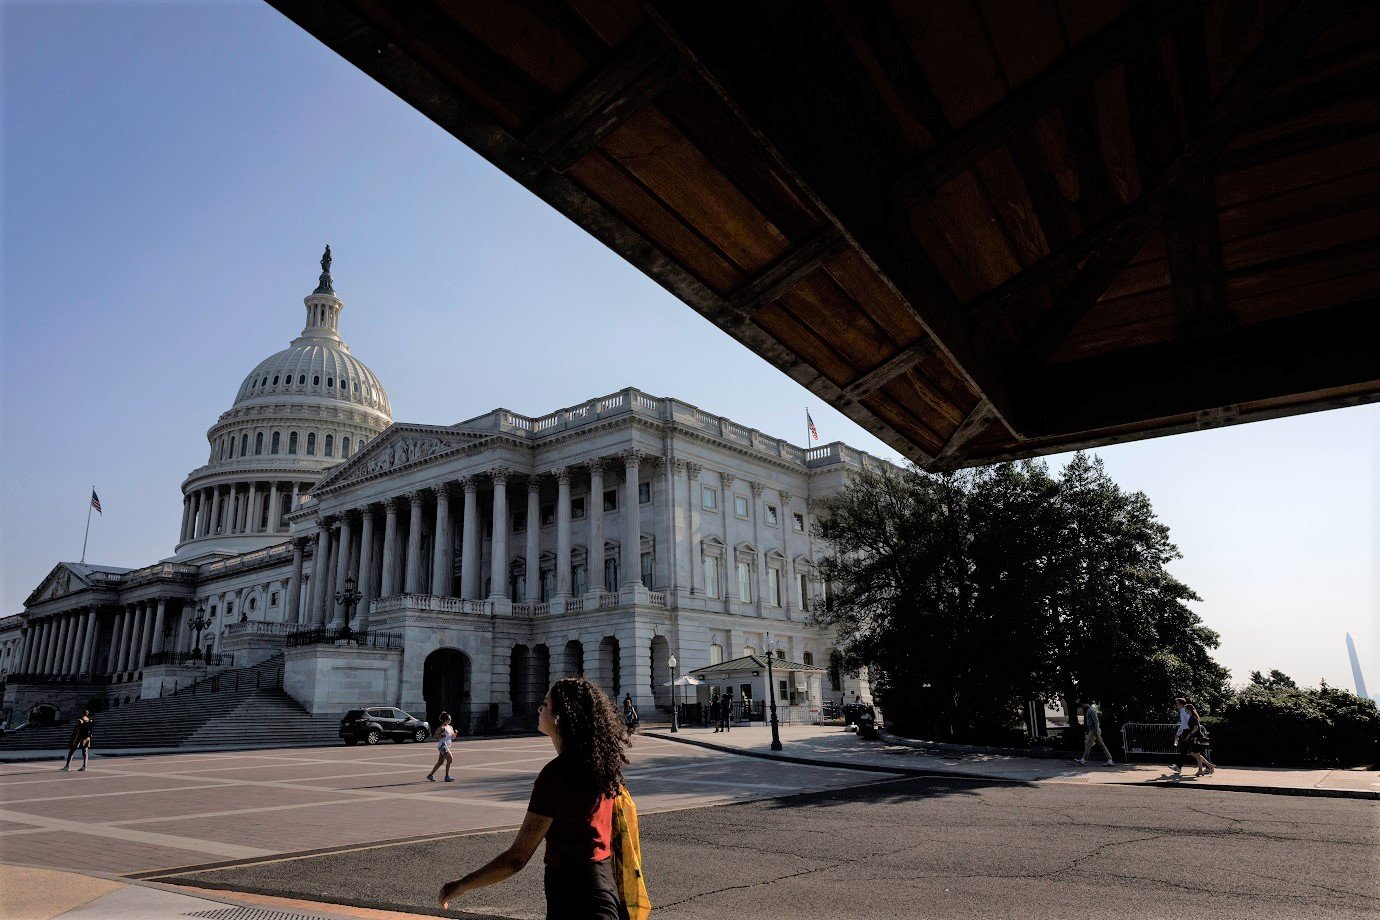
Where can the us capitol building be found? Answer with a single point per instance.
(459, 567)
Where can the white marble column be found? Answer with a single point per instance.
(784, 519)
(320, 562)
(342, 569)
(158, 621)
(54, 663)
(251, 509)
(694, 503)
(126, 640)
(533, 551)
(275, 513)
(562, 475)
(760, 563)
(498, 565)
(78, 640)
(443, 545)
(667, 549)
(294, 590)
(632, 521)
(594, 554)
(469, 540)
(368, 587)
(146, 638)
(388, 578)
(186, 516)
(65, 640)
(117, 627)
(296, 496)
(413, 583)
(215, 510)
(26, 656)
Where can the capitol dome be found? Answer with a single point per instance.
(300, 411)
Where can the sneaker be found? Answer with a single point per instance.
(62, 769)
(81, 769)
(430, 779)
(1111, 763)
(1081, 760)
(450, 779)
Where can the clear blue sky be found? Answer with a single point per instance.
(171, 172)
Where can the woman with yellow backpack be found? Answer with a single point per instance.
(581, 808)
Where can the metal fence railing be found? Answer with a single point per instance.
(367, 638)
(193, 658)
(1151, 739)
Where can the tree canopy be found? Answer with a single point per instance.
(966, 594)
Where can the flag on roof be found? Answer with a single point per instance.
(814, 432)
(96, 503)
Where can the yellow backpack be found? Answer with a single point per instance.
(627, 855)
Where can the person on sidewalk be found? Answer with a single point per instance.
(445, 736)
(81, 738)
(630, 717)
(571, 808)
(1092, 728)
(726, 711)
(716, 711)
(1181, 736)
(1197, 742)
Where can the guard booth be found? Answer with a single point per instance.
(799, 688)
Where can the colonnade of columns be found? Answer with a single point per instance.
(345, 544)
(65, 644)
(137, 634)
(238, 508)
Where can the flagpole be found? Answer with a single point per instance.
(88, 527)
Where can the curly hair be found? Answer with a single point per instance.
(592, 733)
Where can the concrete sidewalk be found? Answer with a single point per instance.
(48, 894)
(832, 746)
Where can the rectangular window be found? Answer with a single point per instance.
(519, 521)
(711, 576)
(646, 561)
(579, 578)
(774, 587)
(771, 515)
(799, 523)
(802, 589)
(740, 505)
(610, 574)
(644, 493)
(548, 515)
(809, 659)
(577, 508)
(548, 584)
(273, 599)
(783, 691)
(709, 498)
(744, 582)
(610, 499)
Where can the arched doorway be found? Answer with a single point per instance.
(574, 659)
(446, 687)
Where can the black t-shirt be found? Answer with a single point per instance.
(83, 729)
(581, 821)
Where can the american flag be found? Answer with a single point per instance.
(96, 503)
(814, 432)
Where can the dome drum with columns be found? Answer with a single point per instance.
(298, 412)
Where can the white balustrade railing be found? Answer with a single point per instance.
(575, 605)
(607, 599)
(431, 603)
(657, 599)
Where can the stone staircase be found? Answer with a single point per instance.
(238, 707)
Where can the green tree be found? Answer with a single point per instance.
(1277, 680)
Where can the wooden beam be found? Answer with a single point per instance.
(955, 450)
(1142, 26)
(1283, 44)
(788, 270)
(890, 369)
(637, 73)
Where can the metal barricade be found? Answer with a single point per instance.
(1155, 739)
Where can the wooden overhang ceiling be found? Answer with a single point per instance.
(981, 229)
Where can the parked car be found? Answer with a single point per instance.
(374, 724)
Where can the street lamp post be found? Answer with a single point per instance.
(672, 663)
(771, 694)
(348, 599)
(198, 623)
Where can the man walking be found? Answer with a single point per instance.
(726, 713)
(716, 713)
(1092, 726)
(1181, 742)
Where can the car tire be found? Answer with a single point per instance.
(351, 741)
(373, 737)
(420, 735)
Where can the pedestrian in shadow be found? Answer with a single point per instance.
(716, 710)
(571, 808)
(1092, 727)
(445, 736)
(726, 711)
(630, 717)
(1197, 742)
(1181, 745)
(81, 738)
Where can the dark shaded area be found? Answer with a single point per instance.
(922, 847)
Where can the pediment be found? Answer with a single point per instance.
(60, 582)
(399, 446)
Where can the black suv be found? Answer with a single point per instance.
(374, 724)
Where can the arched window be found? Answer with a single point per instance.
(244, 444)
(330, 381)
(316, 380)
(330, 446)
(259, 443)
(274, 448)
(275, 380)
(356, 386)
(292, 443)
(344, 448)
(301, 379)
(311, 444)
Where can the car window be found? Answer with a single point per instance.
(355, 714)
(402, 715)
(381, 713)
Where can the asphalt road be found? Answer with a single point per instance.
(923, 848)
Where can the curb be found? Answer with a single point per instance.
(834, 765)
(1361, 794)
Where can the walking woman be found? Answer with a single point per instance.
(81, 738)
(444, 735)
(1198, 743)
(630, 716)
(571, 808)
